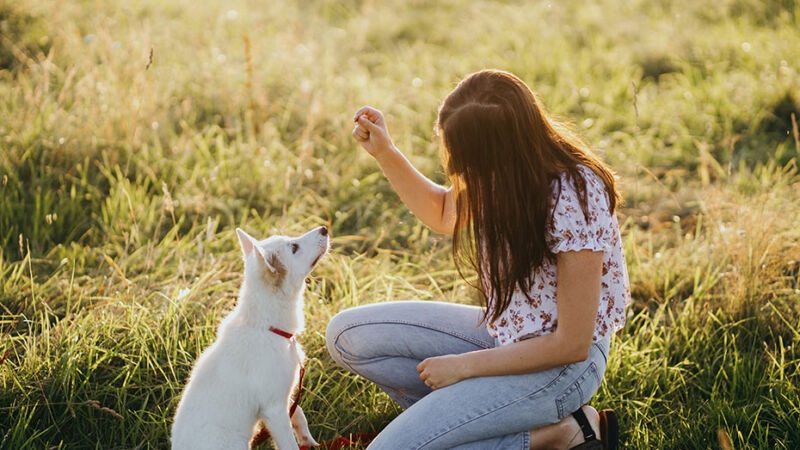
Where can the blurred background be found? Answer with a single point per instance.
(134, 136)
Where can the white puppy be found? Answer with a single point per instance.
(249, 373)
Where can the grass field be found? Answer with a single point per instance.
(135, 136)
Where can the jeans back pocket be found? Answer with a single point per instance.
(579, 392)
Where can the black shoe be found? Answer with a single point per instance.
(609, 431)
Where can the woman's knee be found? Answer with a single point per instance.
(342, 323)
(358, 333)
(335, 327)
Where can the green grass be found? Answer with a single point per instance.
(121, 181)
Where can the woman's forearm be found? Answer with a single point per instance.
(531, 355)
(426, 199)
(431, 203)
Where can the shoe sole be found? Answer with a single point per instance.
(609, 429)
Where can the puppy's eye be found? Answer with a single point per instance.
(295, 247)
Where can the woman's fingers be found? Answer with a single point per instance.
(372, 114)
(367, 124)
(425, 376)
(358, 114)
(371, 132)
(363, 110)
(360, 133)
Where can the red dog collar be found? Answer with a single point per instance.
(280, 332)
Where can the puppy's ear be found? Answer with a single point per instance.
(268, 260)
(274, 271)
(246, 241)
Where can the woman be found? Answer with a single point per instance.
(531, 210)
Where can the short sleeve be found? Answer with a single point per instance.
(569, 230)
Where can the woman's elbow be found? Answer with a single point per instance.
(576, 350)
(441, 226)
(440, 229)
(579, 354)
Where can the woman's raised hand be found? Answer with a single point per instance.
(426, 199)
(371, 132)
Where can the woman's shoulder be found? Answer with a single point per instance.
(577, 224)
(566, 186)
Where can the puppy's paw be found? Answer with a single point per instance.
(300, 427)
(307, 441)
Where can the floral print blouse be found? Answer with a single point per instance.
(570, 231)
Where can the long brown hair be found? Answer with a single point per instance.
(502, 153)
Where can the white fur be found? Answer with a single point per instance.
(249, 373)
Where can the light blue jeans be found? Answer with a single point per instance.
(384, 342)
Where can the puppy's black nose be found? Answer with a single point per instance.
(323, 230)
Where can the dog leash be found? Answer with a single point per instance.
(362, 439)
(333, 444)
(263, 434)
(299, 394)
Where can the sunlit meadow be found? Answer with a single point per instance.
(135, 136)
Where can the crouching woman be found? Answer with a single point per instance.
(532, 212)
